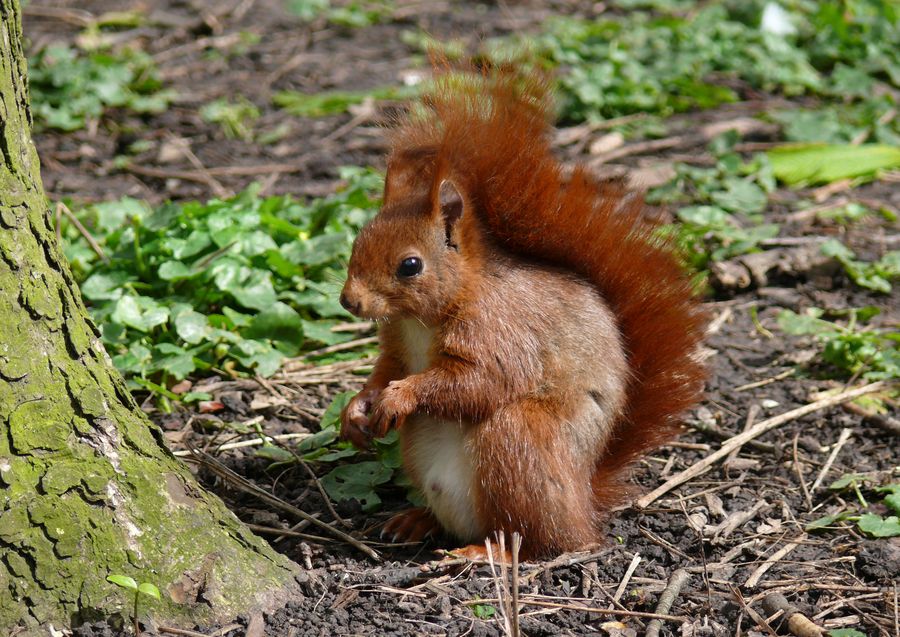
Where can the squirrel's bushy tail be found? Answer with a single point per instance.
(491, 133)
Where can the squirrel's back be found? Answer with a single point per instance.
(492, 133)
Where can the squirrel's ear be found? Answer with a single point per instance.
(450, 204)
(408, 174)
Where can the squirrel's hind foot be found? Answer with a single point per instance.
(412, 525)
(479, 553)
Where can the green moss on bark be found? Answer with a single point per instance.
(89, 490)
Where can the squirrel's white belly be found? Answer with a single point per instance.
(437, 454)
(435, 450)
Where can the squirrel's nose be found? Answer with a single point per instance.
(353, 308)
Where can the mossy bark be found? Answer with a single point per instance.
(88, 487)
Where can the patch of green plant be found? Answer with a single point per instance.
(144, 588)
(833, 124)
(484, 611)
(845, 632)
(353, 14)
(849, 349)
(355, 480)
(845, 215)
(236, 117)
(69, 87)
(659, 57)
(238, 284)
(874, 275)
(335, 102)
(871, 524)
(724, 218)
(805, 164)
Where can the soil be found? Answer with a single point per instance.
(743, 518)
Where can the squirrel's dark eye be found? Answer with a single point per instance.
(410, 266)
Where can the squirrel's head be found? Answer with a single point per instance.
(408, 262)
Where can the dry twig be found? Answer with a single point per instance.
(246, 486)
(754, 578)
(757, 430)
(842, 439)
(666, 599)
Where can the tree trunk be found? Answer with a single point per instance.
(89, 488)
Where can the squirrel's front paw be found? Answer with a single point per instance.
(355, 424)
(396, 402)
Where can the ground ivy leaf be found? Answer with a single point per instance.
(175, 360)
(845, 632)
(103, 286)
(191, 326)
(280, 324)
(173, 271)
(892, 500)
(876, 526)
(257, 292)
(742, 196)
(357, 481)
(194, 243)
(320, 331)
(845, 481)
(826, 520)
(139, 312)
(331, 419)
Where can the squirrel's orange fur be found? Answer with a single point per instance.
(549, 338)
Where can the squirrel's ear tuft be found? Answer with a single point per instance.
(450, 203)
(409, 174)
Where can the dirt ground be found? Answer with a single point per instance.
(736, 529)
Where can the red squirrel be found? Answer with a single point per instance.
(536, 334)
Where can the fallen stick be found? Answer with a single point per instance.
(666, 599)
(241, 483)
(797, 622)
(842, 439)
(584, 609)
(754, 578)
(758, 429)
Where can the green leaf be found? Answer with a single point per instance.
(892, 500)
(194, 243)
(483, 611)
(846, 480)
(826, 520)
(800, 324)
(123, 580)
(191, 326)
(320, 332)
(317, 440)
(256, 292)
(331, 419)
(845, 632)
(148, 589)
(742, 196)
(174, 271)
(876, 526)
(280, 324)
(307, 9)
(175, 360)
(103, 286)
(334, 102)
(357, 481)
(801, 164)
(140, 312)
